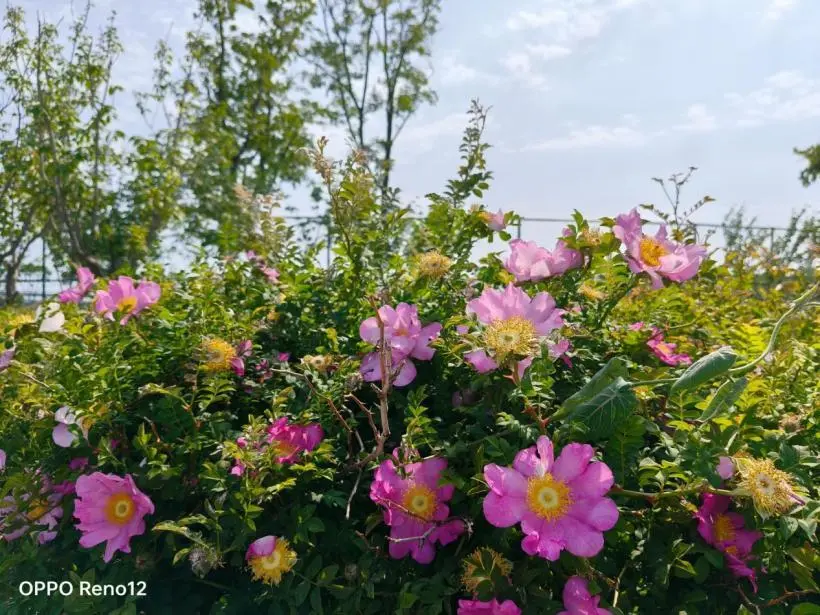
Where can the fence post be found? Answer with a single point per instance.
(43, 270)
(771, 240)
(518, 229)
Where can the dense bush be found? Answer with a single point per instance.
(371, 416)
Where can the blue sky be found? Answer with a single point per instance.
(590, 98)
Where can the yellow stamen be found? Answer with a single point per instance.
(652, 251)
(548, 497)
(514, 337)
(433, 265)
(127, 305)
(270, 568)
(723, 529)
(769, 488)
(120, 508)
(421, 501)
(37, 509)
(218, 355)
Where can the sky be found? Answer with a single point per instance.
(590, 99)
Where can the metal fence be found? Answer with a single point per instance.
(314, 229)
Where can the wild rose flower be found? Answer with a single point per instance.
(770, 489)
(110, 509)
(657, 256)
(726, 532)
(406, 338)
(243, 351)
(62, 434)
(283, 357)
(290, 441)
(560, 502)
(494, 221)
(269, 272)
(76, 293)
(6, 358)
(725, 468)
(42, 513)
(578, 601)
(665, 351)
(636, 326)
(433, 265)
(415, 506)
(269, 558)
(238, 469)
(493, 607)
(124, 299)
(530, 262)
(514, 328)
(221, 356)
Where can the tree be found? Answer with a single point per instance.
(812, 171)
(369, 55)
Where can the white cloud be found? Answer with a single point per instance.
(698, 119)
(450, 71)
(548, 52)
(422, 137)
(776, 9)
(785, 96)
(520, 67)
(594, 136)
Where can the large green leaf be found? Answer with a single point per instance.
(704, 369)
(724, 397)
(603, 413)
(614, 368)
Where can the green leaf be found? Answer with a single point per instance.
(724, 397)
(603, 413)
(615, 368)
(806, 609)
(704, 369)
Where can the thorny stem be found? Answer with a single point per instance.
(653, 497)
(430, 530)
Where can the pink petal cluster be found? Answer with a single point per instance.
(62, 434)
(725, 468)
(75, 294)
(529, 262)
(292, 440)
(406, 338)
(269, 272)
(665, 351)
(243, 351)
(6, 358)
(261, 547)
(559, 502)
(494, 221)
(44, 514)
(578, 601)
(494, 306)
(657, 256)
(123, 298)
(110, 509)
(415, 507)
(726, 532)
(492, 607)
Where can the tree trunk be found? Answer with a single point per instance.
(12, 271)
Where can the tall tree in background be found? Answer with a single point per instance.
(98, 199)
(812, 171)
(370, 55)
(241, 110)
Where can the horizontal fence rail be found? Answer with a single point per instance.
(315, 229)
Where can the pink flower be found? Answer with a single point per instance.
(243, 351)
(530, 262)
(238, 469)
(2, 460)
(76, 293)
(43, 511)
(636, 326)
(110, 509)
(657, 256)
(62, 434)
(292, 440)
(407, 339)
(6, 357)
(493, 607)
(283, 357)
(242, 442)
(578, 601)
(514, 329)
(725, 468)
(726, 532)
(269, 558)
(269, 272)
(665, 351)
(560, 502)
(78, 463)
(126, 300)
(494, 221)
(414, 507)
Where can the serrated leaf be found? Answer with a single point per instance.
(724, 398)
(705, 369)
(615, 368)
(603, 413)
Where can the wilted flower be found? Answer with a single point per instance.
(221, 356)
(590, 292)
(578, 601)
(52, 318)
(726, 532)
(42, 512)
(124, 299)
(514, 327)
(770, 488)
(530, 262)
(492, 607)
(202, 561)
(657, 256)
(406, 338)
(76, 293)
(494, 221)
(790, 422)
(433, 265)
(483, 565)
(320, 363)
(269, 558)
(289, 441)
(110, 509)
(560, 502)
(415, 507)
